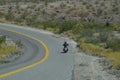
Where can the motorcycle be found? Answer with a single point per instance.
(65, 49)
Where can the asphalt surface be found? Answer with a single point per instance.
(33, 51)
(58, 66)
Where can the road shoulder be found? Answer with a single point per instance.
(88, 67)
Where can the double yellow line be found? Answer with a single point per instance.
(28, 66)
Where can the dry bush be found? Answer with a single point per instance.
(4, 50)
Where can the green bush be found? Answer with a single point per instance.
(77, 29)
(33, 24)
(92, 40)
(49, 24)
(66, 26)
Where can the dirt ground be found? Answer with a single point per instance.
(89, 68)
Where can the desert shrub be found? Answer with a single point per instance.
(93, 25)
(113, 57)
(66, 26)
(92, 40)
(112, 27)
(62, 5)
(2, 39)
(115, 27)
(103, 37)
(77, 29)
(116, 64)
(3, 20)
(52, 6)
(91, 48)
(87, 32)
(49, 24)
(4, 50)
(9, 16)
(1, 14)
(115, 9)
(114, 44)
(100, 27)
(18, 20)
(33, 24)
(84, 3)
(25, 14)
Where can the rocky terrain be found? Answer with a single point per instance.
(91, 68)
(99, 11)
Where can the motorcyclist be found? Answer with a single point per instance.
(65, 44)
(65, 49)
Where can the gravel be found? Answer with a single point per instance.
(90, 68)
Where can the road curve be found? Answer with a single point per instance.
(58, 66)
(33, 53)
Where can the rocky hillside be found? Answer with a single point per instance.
(99, 11)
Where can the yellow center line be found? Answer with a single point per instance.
(28, 66)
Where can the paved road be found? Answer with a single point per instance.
(58, 66)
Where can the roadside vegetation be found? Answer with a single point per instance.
(93, 31)
(5, 49)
